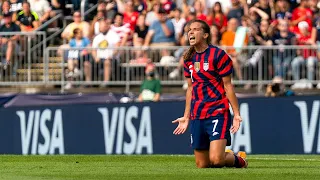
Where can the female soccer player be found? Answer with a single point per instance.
(208, 71)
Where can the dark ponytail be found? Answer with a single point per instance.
(206, 29)
(189, 53)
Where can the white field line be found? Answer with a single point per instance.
(282, 159)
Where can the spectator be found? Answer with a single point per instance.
(15, 6)
(167, 5)
(228, 40)
(122, 29)
(305, 56)
(185, 7)
(261, 36)
(101, 16)
(218, 18)
(282, 56)
(277, 88)
(161, 32)
(225, 5)
(282, 10)
(302, 13)
(8, 43)
(67, 34)
(191, 16)
(215, 35)
(150, 88)
(77, 56)
(265, 6)
(139, 35)
(257, 15)
(153, 15)
(113, 7)
(178, 23)
(198, 8)
(58, 5)
(150, 4)
(238, 9)
(130, 16)
(43, 9)
(140, 6)
(102, 57)
(5, 9)
(27, 20)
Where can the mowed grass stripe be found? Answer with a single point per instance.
(153, 167)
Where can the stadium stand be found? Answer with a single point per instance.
(265, 38)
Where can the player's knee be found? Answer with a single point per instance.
(202, 164)
(217, 161)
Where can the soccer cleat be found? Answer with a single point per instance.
(243, 155)
(229, 151)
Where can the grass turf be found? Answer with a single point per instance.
(154, 167)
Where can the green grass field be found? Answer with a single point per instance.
(154, 167)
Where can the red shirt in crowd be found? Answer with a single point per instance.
(298, 13)
(131, 19)
(220, 22)
(302, 39)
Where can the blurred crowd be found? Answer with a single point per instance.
(162, 23)
(240, 23)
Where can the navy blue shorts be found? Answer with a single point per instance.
(203, 131)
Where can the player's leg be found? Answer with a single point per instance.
(218, 130)
(219, 158)
(217, 154)
(200, 143)
(202, 158)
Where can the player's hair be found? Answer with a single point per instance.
(206, 29)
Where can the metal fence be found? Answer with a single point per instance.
(125, 66)
(22, 58)
(121, 66)
(253, 65)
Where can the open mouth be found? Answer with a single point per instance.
(192, 38)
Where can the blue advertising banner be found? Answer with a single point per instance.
(288, 125)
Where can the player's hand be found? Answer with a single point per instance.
(182, 126)
(236, 124)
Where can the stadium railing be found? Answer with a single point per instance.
(257, 65)
(27, 62)
(32, 63)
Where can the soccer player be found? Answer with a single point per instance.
(208, 71)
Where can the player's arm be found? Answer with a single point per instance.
(231, 95)
(184, 121)
(186, 114)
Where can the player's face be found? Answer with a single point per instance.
(196, 35)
